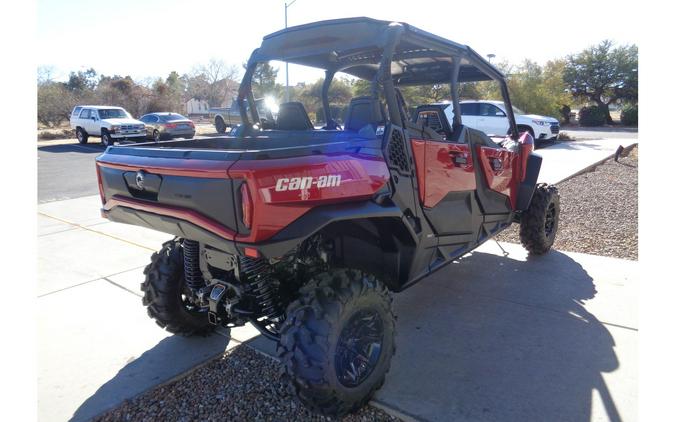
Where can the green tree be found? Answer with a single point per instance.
(264, 81)
(82, 81)
(123, 92)
(168, 95)
(604, 75)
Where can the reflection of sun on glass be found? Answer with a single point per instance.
(271, 104)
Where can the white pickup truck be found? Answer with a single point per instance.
(109, 123)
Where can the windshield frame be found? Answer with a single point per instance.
(104, 112)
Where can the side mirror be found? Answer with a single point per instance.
(94, 118)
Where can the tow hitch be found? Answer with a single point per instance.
(217, 293)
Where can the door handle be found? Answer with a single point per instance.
(458, 157)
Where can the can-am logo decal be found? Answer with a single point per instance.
(298, 183)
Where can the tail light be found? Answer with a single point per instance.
(246, 205)
(191, 123)
(100, 184)
(171, 125)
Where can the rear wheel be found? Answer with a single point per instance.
(337, 341)
(220, 125)
(539, 224)
(166, 297)
(82, 136)
(156, 136)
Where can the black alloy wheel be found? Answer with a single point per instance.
(359, 347)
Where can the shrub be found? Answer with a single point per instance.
(629, 115)
(565, 113)
(591, 116)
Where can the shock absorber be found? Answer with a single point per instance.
(193, 275)
(259, 276)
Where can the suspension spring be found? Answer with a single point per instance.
(259, 276)
(193, 274)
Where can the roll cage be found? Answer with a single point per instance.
(388, 54)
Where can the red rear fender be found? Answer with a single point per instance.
(283, 190)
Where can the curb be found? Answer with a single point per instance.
(394, 411)
(592, 166)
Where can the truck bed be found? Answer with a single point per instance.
(196, 184)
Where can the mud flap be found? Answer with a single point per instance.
(526, 189)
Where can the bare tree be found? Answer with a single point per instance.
(45, 74)
(214, 81)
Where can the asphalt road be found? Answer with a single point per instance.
(67, 171)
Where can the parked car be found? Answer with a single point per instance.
(490, 117)
(159, 126)
(304, 232)
(109, 123)
(229, 117)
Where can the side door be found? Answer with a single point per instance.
(447, 184)
(494, 120)
(94, 123)
(150, 124)
(84, 120)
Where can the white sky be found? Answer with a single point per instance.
(150, 38)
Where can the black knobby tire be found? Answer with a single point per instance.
(220, 125)
(312, 342)
(82, 136)
(163, 289)
(539, 223)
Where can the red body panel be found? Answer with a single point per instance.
(360, 176)
(437, 173)
(505, 179)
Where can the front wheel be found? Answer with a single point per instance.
(106, 139)
(337, 341)
(166, 297)
(539, 223)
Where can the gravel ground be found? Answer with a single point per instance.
(599, 211)
(242, 385)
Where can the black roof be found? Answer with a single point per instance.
(354, 46)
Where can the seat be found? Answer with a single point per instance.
(433, 116)
(293, 116)
(363, 111)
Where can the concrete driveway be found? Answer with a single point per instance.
(490, 338)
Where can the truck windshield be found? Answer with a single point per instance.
(113, 113)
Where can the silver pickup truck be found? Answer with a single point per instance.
(229, 117)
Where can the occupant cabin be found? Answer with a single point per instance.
(387, 54)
